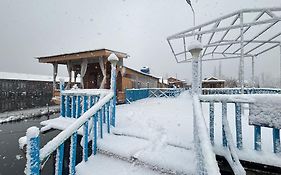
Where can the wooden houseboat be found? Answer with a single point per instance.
(94, 70)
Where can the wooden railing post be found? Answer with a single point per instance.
(257, 138)
(68, 113)
(72, 157)
(85, 131)
(79, 107)
(107, 117)
(224, 117)
(212, 123)
(238, 126)
(33, 151)
(73, 115)
(276, 140)
(59, 160)
(62, 99)
(95, 135)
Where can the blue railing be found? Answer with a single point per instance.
(206, 160)
(92, 108)
(238, 101)
(210, 91)
(137, 94)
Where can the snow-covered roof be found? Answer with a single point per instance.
(141, 72)
(30, 77)
(212, 79)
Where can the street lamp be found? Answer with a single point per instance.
(113, 59)
(193, 12)
(195, 48)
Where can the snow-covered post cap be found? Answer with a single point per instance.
(195, 48)
(113, 59)
(32, 132)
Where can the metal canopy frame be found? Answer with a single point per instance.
(244, 33)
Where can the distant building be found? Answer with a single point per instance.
(173, 82)
(213, 82)
(21, 91)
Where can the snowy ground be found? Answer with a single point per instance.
(153, 133)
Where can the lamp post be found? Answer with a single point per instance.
(195, 48)
(193, 13)
(113, 59)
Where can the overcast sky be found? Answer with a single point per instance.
(33, 28)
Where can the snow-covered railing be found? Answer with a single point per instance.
(137, 94)
(208, 91)
(262, 102)
(206, 160)
(92, 116)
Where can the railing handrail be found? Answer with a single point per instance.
(52, 145)
(236, 98)
(86, 92)
(156, 89)
(207, 153)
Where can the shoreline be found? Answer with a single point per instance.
(6, 117)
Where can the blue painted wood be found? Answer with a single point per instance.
(62, 106)
(72, 158)
(276, 140)
(34, 154)
(94, 144)
(59, 163)
(85, 104)
(224, 117)
(238, 121)
(73, 107)
(101, 123)
(85, 142)
(79, 107)
(103, 114)
(94, 118)
(67, 104)
(91, 101)
(107, 117)
(257, 138)
(85, 131)
(212, 122)
(62, 97)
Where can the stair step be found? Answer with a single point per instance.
(156, 155)
(104, 165)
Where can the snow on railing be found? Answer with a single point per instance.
(137, 94)
(238, 101)
(206, 160)
(208, 91)
(94, 110)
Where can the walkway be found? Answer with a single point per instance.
(155, 136)
(152, 136)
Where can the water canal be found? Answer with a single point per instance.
(12, 159)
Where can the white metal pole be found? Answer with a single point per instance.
(253, 71)
(241, 71)
(280, 66)
(195, 78)
(200, 68)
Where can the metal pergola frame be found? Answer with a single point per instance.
(230, 46)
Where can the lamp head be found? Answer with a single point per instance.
(195, 48)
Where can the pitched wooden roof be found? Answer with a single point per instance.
(91, 54)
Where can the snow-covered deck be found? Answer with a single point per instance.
(155, 135)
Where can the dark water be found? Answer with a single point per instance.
(12, 159)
